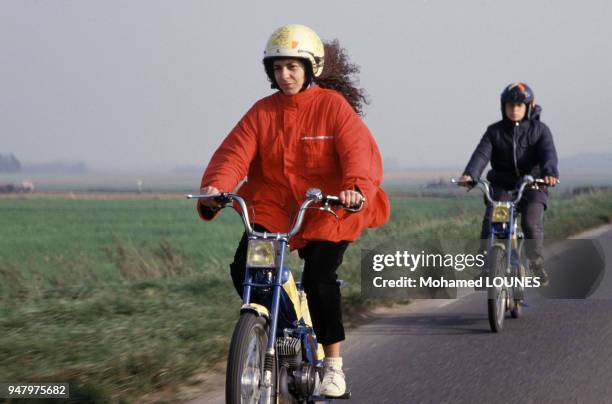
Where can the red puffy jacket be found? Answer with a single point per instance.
(287, 144)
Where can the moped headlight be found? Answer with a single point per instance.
(501, 213)
(261, 254)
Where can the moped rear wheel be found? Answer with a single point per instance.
(497, 296)
(519, 293)
(245, 362)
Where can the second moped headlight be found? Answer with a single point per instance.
(501, 212)
(261, 254)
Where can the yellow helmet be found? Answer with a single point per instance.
(296, 41)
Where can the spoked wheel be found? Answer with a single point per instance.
(498, 296)
(245, 362)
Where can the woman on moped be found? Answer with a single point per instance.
(307, 134)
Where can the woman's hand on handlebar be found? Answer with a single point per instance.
(209, 202)
(550, 181)
(350, 198)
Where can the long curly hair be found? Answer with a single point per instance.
(340, 74)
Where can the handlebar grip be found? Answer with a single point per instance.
(335, 201)
(332, 200)
(223, 198)
(470, 184)
(541, 181)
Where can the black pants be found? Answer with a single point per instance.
(321, 260)
(532, 222)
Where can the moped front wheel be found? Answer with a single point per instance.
(245, 362)
(497, 296)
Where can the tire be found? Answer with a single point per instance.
(245, 361)
(517, 310)
(496, 302)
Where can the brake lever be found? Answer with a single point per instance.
(534, 186)
(224, 200)
(325, 208)
(537, 185)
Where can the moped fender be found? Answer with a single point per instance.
(258, 309)
(499, 245)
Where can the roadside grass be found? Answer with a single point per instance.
(120, 298)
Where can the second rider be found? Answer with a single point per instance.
(520, 144)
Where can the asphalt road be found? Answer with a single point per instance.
(442, 351)
(560, 350)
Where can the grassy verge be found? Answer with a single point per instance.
(120, 298)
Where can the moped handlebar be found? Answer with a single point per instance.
(313, 195)
(485, 186)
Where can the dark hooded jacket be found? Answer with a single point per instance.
(515, 150)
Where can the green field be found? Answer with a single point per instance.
(124, 297)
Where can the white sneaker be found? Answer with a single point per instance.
(333, 384)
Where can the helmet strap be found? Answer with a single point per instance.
(309, 74)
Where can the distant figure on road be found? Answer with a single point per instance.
(520, 144)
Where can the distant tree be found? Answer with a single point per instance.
(55, 167)
(9, 164)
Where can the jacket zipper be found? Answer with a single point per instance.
(516, 124)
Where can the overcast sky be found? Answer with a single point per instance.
(154, 84)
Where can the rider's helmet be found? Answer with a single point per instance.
(295, 41)
(518, 93)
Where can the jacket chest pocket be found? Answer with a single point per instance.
(317, 154)
(527, 154)
(529, 139)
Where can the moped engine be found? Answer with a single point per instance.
(289, 352)
(296, 378)
(305, 380)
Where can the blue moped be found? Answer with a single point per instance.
(274, 356)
